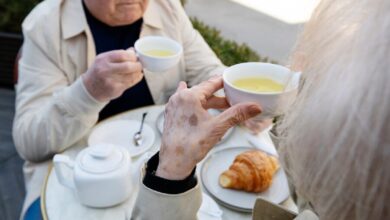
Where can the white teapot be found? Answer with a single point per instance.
(101, 175)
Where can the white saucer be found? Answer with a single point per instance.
(220, 161)
(160, 122)
(121, 133)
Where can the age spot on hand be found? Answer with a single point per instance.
(193, 120)
(179, 151)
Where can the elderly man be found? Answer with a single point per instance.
(76, 69)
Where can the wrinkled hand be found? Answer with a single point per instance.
(256, 126)
(112, 73)
(190, 131)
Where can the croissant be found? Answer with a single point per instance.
(251, 171)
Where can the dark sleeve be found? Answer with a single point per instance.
(163, 185)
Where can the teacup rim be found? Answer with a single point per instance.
(257, 93)
(139, 51)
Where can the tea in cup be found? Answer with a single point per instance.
(272, 86)
(158, 54)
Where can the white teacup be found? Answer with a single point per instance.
(158, 63)
(272, 103)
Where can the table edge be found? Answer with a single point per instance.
(50, 168)
(43, 193)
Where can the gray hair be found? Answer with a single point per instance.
(335, 139)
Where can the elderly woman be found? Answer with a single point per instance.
(334, 142)
(76, 70)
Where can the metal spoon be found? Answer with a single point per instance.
(137, 138)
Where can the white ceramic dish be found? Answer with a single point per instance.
(209, 210)
(121, 133)
(220, 161)
(273, 104)
(261, 145)
(101, 175)
(160, 124)
(153, 63)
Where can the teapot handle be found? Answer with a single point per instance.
(60, 160)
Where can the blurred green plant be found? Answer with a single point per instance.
(13, 12)
(228, 51)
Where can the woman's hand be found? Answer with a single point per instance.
(190, 131)
(112, 73)
(256, 126)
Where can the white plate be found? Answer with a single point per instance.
(120, 132)
(218, 162)
(209, 210)
(160, 124)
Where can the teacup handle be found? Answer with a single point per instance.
(59, 161)
(293, 79)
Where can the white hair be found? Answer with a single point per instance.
(335, 139)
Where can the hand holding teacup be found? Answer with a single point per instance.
(273, 87)
(186, 112)
(112, 73)
(115, 71)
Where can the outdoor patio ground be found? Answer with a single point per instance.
(11, 178)
(269, 27)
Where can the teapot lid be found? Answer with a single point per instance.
(101, 158)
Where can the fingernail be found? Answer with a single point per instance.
(254, 110)
(215, 77)
(131, 50)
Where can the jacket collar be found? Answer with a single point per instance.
(74, 21)
(152, 15)
(73, 18)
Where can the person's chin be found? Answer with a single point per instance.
(128, 6)
(127, 18)
(125, 21)
(128, 15)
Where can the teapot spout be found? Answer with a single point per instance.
(59, 162)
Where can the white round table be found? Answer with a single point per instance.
(59, 202)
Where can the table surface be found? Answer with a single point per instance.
(60, 202)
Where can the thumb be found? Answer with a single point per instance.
(133, 54)
(182, 85)
(238, 113)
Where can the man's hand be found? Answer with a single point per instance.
(190, 131)
(112, 73)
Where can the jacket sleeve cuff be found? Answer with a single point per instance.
(151, 203)
(77, 100)
(164, 185)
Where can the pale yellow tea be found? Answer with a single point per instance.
(258, 84)
(159, 53)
